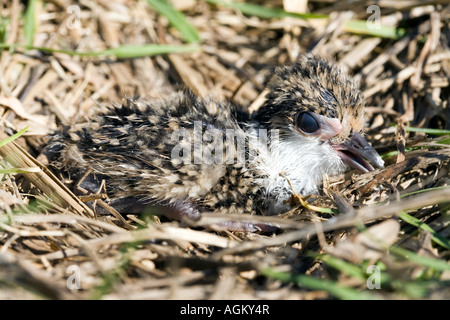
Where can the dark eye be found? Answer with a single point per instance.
(307, 123)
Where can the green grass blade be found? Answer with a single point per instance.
(348, 268)
(413, 289)
(394, 153)
(133, 51)
(445, 141)
(20, 170)
(362, 27)
(122, 52)
(439, 265)
(176, 19)
(3, 26)
(423, 190)
(341, 265)
(310, 282)
(436, 237)
(437, 132)
(30, 22)
(13, 137)
(353, 26)
(265, 12)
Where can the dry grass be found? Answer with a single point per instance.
(386, 217)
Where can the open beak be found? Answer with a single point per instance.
(356, 151)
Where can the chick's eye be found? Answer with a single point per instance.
(307, 123)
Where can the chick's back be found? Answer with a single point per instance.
(145, 149)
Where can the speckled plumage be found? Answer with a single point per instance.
(131, 146)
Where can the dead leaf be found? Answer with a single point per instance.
(369, 244)
(15, 105)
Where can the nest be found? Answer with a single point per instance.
(396, 219)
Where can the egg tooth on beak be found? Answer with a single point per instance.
(356, 151)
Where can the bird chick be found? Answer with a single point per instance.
(183, 155)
